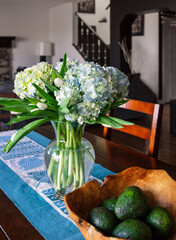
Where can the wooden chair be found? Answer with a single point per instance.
(4, 115)
(152, 135)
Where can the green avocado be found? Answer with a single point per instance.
(161, 222)
(110, 203)
(132, 203)
(103, 219)
(133, 229)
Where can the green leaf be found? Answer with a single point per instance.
(110, 121)
(53, 107)
(115, 104)
(65, 103)
(105, 120)
(90, 122)
(44, 113)
(50, 86)
(20, 118)
(11, 101)
(121, 121)
(107, 108)
(32, 100)
(64, 66)
(23, 132)
(118, 103)
(31, 107)
(6, 145)
(61, 116)
(64, 110)
(55, 74)
(16, 108)
(119, 95)
(45, 95)
(35, 114)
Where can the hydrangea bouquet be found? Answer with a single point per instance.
(69, 94)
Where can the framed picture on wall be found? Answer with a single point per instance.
(138, 26)
(86, 6)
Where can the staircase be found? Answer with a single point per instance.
(89, 44)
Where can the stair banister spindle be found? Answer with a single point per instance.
(90, 45)
(84, 38)
(95, 48)
(90, 39)
(79, 32)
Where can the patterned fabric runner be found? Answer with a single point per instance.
(26, 159)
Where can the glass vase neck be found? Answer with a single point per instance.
(75, 126)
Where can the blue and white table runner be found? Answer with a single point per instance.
(24, 179)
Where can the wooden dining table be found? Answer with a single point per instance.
(13, 224)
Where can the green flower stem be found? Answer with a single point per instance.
(81, 168)
(58, 134)
(60, 169)
(69, 181)
(67, 162)
(55, 172)
(74, 173)
(65, 170)
(89, 154)
(74, 182)
(66, 156)
(77, 165)
(70, 161)
(76, 160)
(67, 135)
(50, 167)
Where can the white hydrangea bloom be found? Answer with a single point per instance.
(23, 80)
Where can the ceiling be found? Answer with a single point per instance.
(44, 3)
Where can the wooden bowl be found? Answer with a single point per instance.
(157, 185)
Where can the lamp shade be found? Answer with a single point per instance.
(44, 49)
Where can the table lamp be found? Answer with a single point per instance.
(44, 50)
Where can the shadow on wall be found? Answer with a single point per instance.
(138, 90)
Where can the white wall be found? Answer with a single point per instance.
(103, 29)
(145, 52)
(61, 32)
(30, 24)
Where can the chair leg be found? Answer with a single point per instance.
(153, 163)
(107, 133)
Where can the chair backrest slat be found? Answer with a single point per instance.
(139, 106)
(137, 131)
(153, 134)
(155, 130)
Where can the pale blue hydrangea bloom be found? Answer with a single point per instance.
(23, 80)
(119, 81)
(90, 88)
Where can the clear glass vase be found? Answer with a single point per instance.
(69, 158)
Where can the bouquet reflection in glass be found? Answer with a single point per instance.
(69, 95)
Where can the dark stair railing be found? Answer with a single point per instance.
(90, 45)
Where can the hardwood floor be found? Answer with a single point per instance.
(167, 150)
